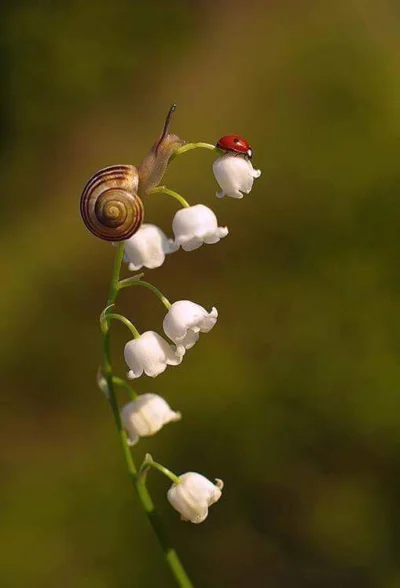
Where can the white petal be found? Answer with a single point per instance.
(133, 438)
(190, 243)
(214, 237)
(147, 247)
(146, 415)
(196, 225)
(136, 371)
(189, 340)
(185, 319)
(172, 246)
(208, 321)
(175, 355)
(151, 354)
(222, 232)
(235, 175)
(134, 268)
(180, 350)
(193, 495)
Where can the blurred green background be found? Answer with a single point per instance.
(294, 398)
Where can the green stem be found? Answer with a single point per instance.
(150, 463)
(165, 190)
(190, 146)
(170, 554)
(125, 321)
(124, 384)
(137, 282)
(113, 291)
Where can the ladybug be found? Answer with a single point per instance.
(236, 144)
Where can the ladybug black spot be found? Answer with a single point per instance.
(236, 140)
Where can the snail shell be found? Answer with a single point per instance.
(110, 206)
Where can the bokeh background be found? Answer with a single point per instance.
(294, 398)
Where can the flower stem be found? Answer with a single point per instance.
(137, 282)
(124, 320)
(150, 463)
(165, 190)
(124, 384)
(190, 146)
(170, 554)
(113, 291)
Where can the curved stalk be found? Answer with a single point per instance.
(165, 190)
(105, 318)
(190, 146)
(124, 384)
(135, 281)
(141, 490)
(150, 463)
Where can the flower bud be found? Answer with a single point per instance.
(146, 415)
(193, 495)
(151, 354)
(196, 225)
(235, 174)
(148, 248)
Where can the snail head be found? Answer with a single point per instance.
(154, 165)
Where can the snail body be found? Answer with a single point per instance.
(111, 207)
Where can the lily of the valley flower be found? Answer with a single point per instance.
(148, 248)
(193, 495)
(151, 354)
(196, 225)
(235, 174)
(146, 415)
(185, 321)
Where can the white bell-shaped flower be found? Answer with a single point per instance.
(151, 354)
(185, 320)
(235, 174)
(148, 248)
(193, 495)
(146, 415)
(196, 225)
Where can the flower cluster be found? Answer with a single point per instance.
(149, 353)
(193, 225)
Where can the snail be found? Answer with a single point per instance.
(111, 202)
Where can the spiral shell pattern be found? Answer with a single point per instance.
(110, 206)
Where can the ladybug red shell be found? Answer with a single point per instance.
(236, 144)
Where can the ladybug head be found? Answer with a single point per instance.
(235, 144)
